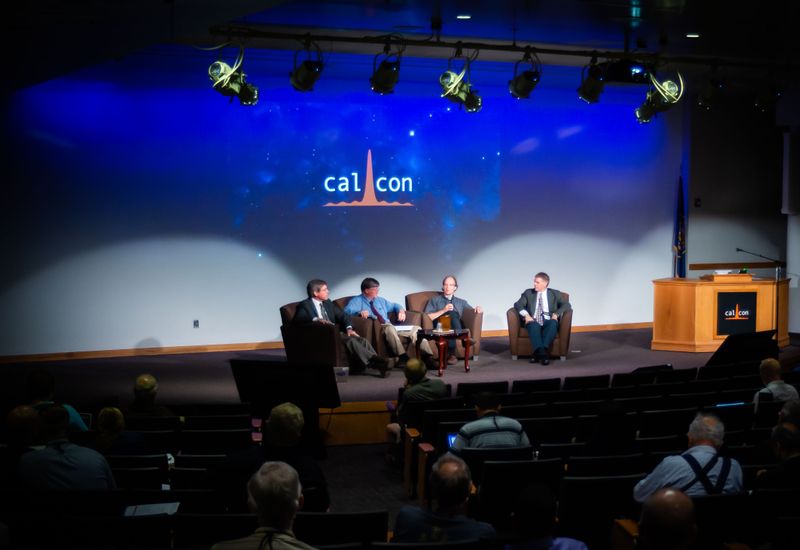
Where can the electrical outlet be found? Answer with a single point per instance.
(196, 323)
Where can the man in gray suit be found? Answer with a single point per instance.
(541, 308)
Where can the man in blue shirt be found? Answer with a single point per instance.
(699, 471)
(371, 306)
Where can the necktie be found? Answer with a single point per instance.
(538, 314)
(324, 313)
(381, 320)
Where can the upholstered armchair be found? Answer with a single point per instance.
(521, 344)
(315, 343)
(372, 331)
(417, 301)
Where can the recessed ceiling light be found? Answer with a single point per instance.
(463, 16)
(692, 35)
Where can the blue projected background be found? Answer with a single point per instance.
(139, 152)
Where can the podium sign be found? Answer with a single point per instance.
(736, 312)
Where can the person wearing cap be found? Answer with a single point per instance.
(145, 390)
(282, 433)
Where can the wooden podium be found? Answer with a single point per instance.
(698, 314)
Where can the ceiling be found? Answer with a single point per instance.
(51, 38)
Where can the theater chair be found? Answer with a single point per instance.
(316, 343)
(417, 301)
(375, 331)
(521, 344)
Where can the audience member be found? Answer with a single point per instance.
(535, 520)
(62, 465)
(418, 387)
(790, 412)
(369, 305)
(41, 390)
(786, 475)
(450, 483)
(145, 391)
(667, 521)
(698, 471)
(274, 494)
(22, 428)
(490, 430)
(774, 386)
(281, 442)
(111, 437)
(447, 305)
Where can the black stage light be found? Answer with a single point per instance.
(659, 98)
(385, 76)
(592, 82)
(458, 90)
(522, 84)
(230, 81)
(306, 75)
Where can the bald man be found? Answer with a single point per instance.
(145, 390)
(778, 390)
(667, 521)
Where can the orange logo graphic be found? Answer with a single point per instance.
(737, 314)
(369, 199)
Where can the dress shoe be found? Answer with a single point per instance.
(381, 364)
(533, 359)
(452, 360)
(431, 363)
(545, 361)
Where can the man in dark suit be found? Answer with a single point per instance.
(317, 308)
(541, 308)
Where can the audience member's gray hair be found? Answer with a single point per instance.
(450, 480)
(274, 494)
(708, 427)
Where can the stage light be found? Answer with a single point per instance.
(523, 84)
(386, 74)
(660, 97)
(592, 82)
(457, 88)
(230, 81)
(306, 74)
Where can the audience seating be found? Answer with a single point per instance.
(140, 478)
(458, 545)
(612, 465)
(665, 422)
(588, 506)
(528, 386)
(215, 441)
(468, 389)
(416, 303)
(204, 530)
(153, 423)
(475, 458)
(521, 344)
(337, 527)
(217, 422)
(676, 375)
(585, 382)
(766, 414)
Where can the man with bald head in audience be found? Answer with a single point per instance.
(667, 521)
(774, 386)
(700, 470)
(275, 495)
(145, 390)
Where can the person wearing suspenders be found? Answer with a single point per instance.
(700, 470)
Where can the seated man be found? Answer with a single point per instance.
(770, 370)
(447, 305)
(667, 521)
(275, 495)
(450, 485)
(418, 387)
(490, 430)
(540, 308)
(145, 391)
(62, 465)
(786, 475)
(371, 306)
(699, 471)
(317, 308)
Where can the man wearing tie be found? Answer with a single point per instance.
(446, 304)
(369, 305)
(317, 308)
(540, 308)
